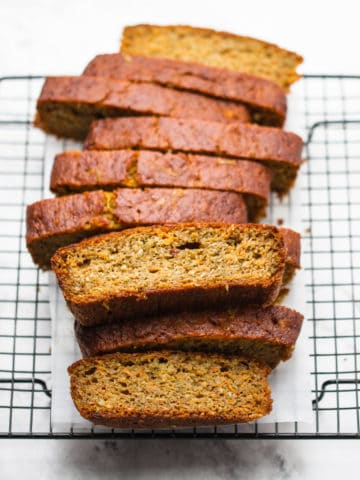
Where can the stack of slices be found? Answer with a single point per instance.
(174, 302)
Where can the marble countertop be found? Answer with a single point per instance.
(60, 37)
(179, 459)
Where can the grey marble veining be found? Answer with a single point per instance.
(199, 459)
(179, 459)
(157, 460)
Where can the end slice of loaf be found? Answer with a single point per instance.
(265, 100)
(213, 48)
(169, 389)
(78, 171)
(150, 270)
(276, 149)
(56, 222)
(68, 105)
(267, 335)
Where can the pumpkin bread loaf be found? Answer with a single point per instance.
(213, 48)
(150, 270)
(67, 105)
(174, 316)
(267, 335)
(78, 171)
(265, 100)
(276, 149)
(169, 389)
(56, 222)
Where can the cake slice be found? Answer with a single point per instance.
(213, 48)
(267, 335)
(169, 389)
(150, 270)
(276, 149)
(265, 100)
(67, 105)
(56, 222)
(78, 171)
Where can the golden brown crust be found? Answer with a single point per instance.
(160, 389)
(266, 334)
(75, 171)
(53, 216)
(277, 149)
(118, 305)
(150, 206)
(113, 308)
(67, 105)
(56, 222)
(266, 100)
(213, 48)
(292, 241)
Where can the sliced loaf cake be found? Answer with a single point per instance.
(276, 149)
(56, 222)
(78, 171)
(67, 105)
(150, 270)
(267, 335)
(169, 389)
(213, 48)
(265, 100)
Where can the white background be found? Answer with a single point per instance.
(60, 37)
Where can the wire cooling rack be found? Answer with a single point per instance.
(330, 111)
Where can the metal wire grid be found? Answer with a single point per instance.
(332, 186)
(330, 106)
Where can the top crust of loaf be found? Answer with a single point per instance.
(279, 150)
(266, 100)
(67, 105)
(196, 136)
(208, 330)
(75, 171)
